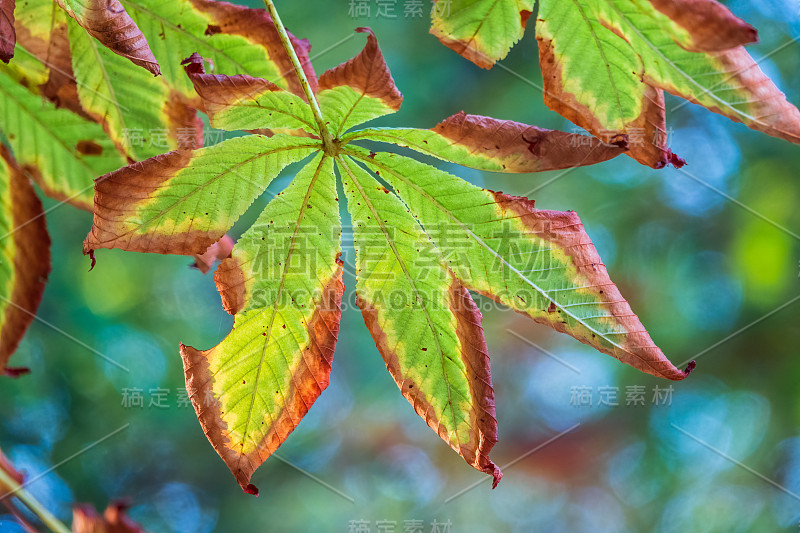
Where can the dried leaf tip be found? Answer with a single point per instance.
(366, 73)
(90, 253)
(194, 64)
(16, 372)
(251, 489)
(497, 475)
(671, 158)
(691, 366)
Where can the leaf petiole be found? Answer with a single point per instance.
(327, 140)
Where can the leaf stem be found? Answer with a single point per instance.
(327, 140)
(16, 490)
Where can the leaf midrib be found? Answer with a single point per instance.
(287, 263)
(203, 187)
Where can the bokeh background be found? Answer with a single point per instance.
(709, 259)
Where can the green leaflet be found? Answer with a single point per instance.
(235, 39)
(284, 285)
(184, 201)
(64, 151)
(25, 69)
(616, 90)
(358, 91)
(344, 107)
(540, 263)
(605, 63)
(495, 145)
(129, 101)
(36, 16)
(424, 332)
(7, 246)
(482, 31)
(247, 103)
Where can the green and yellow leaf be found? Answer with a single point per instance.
(127, 100)
(24, 257)
(423, 321)
(537, 262)
(482, 31)
(495, 145)
(235, 39)
(284, 285)
(62, 151)
(709, 26)
(109, 23)
(246, 103)
(359, 90)
(184, 201)
(282, 282)
(605, 64)
(45, 50)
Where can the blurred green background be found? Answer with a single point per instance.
(701, 257)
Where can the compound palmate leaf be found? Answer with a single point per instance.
(24, 257)
(606, 63)
(283, 282)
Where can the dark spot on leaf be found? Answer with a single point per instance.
(620, 140)
(89, 147)
(552, 308)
